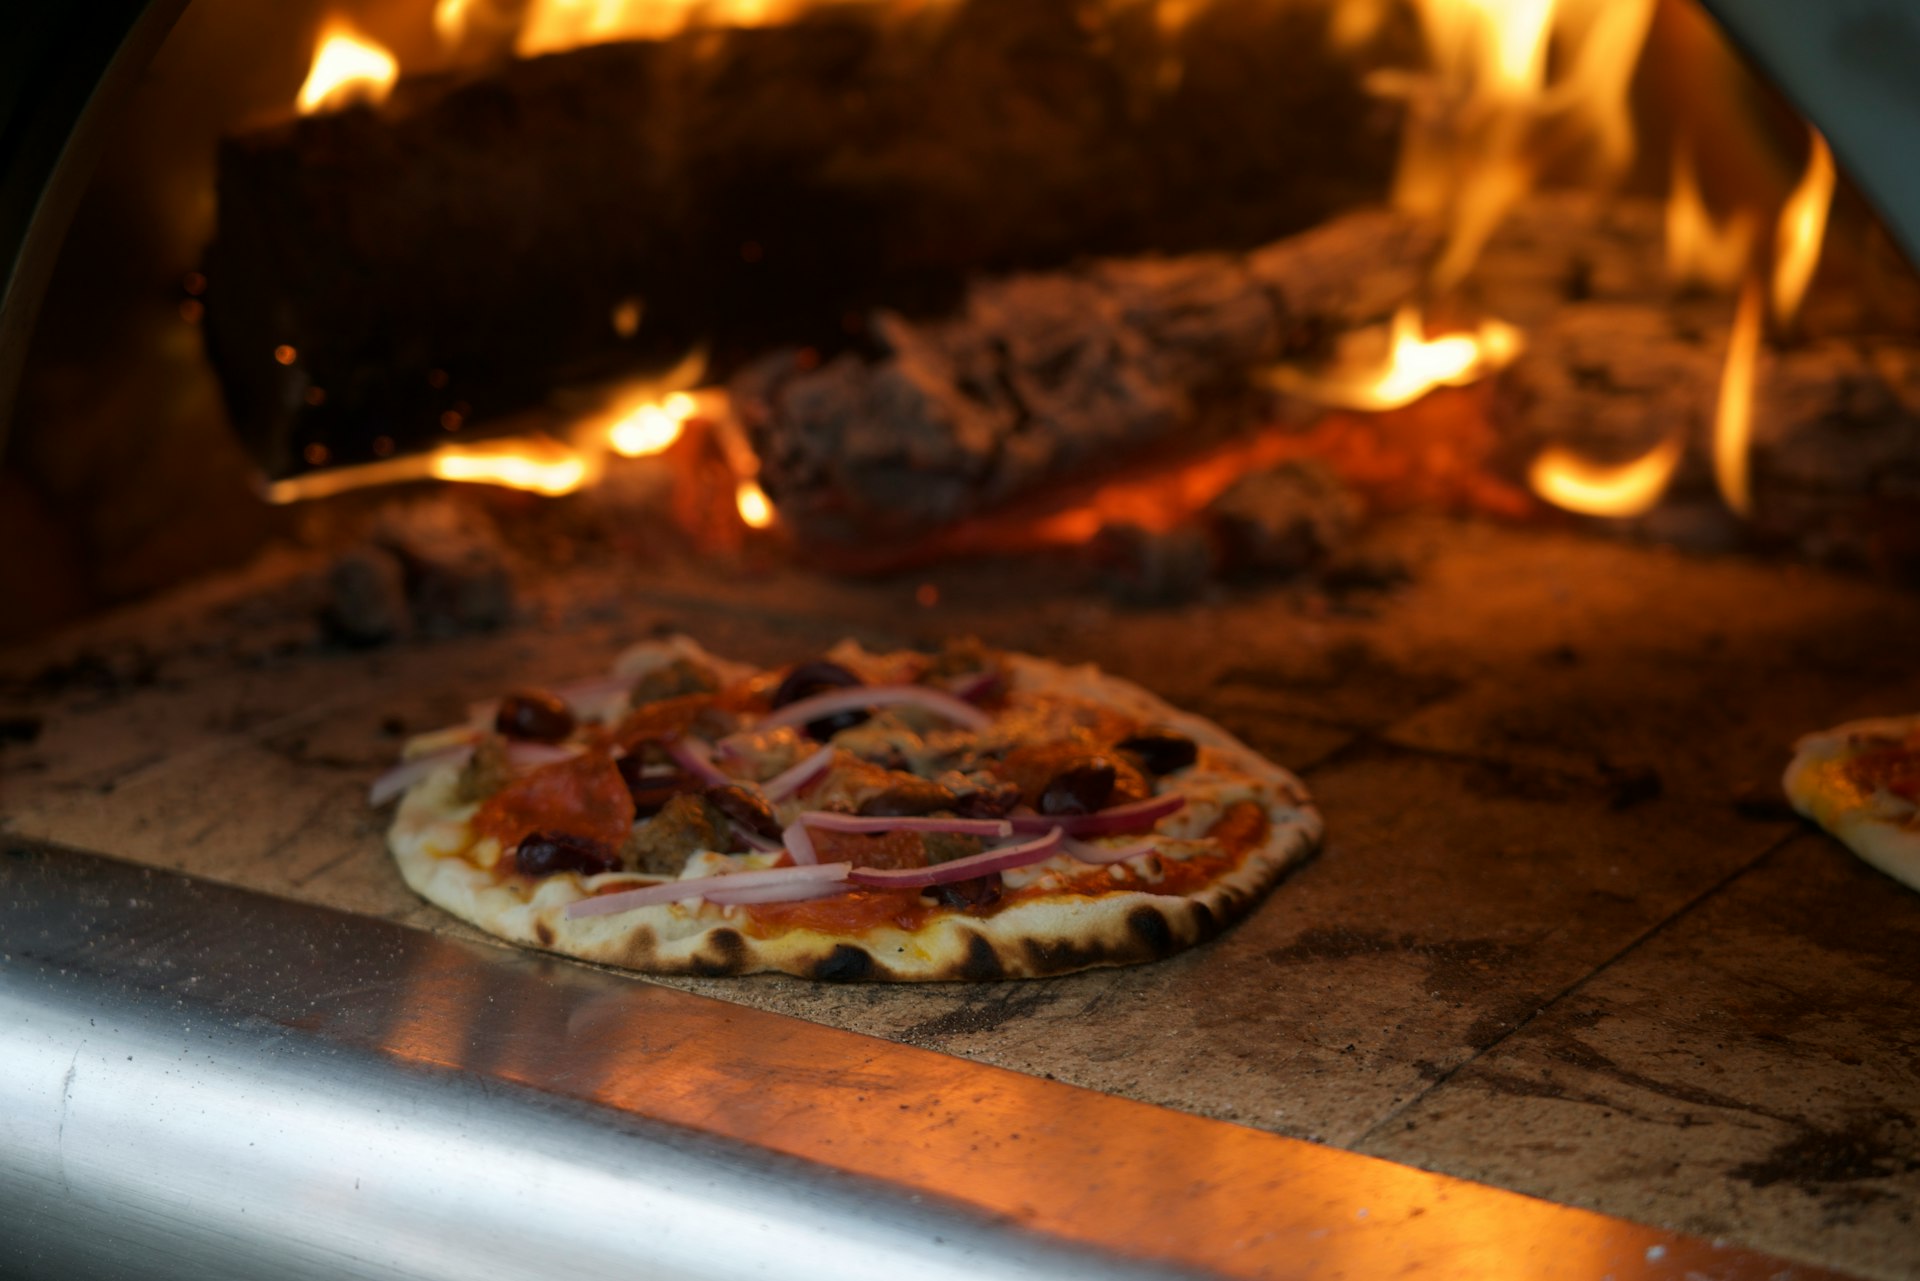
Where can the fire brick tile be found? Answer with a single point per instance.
(1752, 1071)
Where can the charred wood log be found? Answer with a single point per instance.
(457, 252)
(1835, 455)
(1048, 375)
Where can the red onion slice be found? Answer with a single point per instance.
(976, 686)
(829, 821)
(862, 697)
(792, 779)
(692, 757)
(413, 769)
(1108, 853)
(777, 893)
(1135, 817)
(752, 839)
(675, 891)
(799, 844)
(960, 869)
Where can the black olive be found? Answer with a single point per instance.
(545, 853)
(994, 801)
(817, 677)
(535, 716)
(1161, 752)
(1081, 788)
(970, 895)
(908, 799)
(651, 791)
(745, 808)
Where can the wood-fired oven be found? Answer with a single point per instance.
(1505, 415)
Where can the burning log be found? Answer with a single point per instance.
(1835, 431)
(1057, 374)
(382, 273)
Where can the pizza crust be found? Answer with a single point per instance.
(1881, 828)
(1056, 934)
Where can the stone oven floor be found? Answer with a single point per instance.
(1562, 939)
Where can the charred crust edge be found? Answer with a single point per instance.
(845, 964)
(729, 954)
(1150, 928)
(983, 961)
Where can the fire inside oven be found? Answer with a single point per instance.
(1180, 292)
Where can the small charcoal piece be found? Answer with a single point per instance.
(457, 576)
(366, 601)
(1286, 519)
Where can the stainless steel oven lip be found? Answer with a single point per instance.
(197, 1080)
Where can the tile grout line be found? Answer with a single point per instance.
(1633, 945)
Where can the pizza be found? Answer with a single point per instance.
(970, 814)
(1861, 781)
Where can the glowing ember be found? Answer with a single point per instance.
(1412, 366)
(1801, 229)
(347, 68)
(1699, 249)
(1733, 416)
(1593, 489)
(754, 506)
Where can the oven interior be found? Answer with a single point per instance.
(1506, 416)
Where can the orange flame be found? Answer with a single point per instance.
(651, 426)
(538, 464)
(646, 418)
(1699, 249)
(1801, 230)
(1733, 416)
(755, 508)
(1627, 489)
(1412, 365)
(347, 68)
(553, 25)
(1477, 135)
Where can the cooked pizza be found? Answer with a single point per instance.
(1861, 781)
(971, 814)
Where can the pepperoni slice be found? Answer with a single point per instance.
(583, 797)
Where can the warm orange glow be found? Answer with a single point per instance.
(1411, 365)
(285, 354)
(347, 68)
(626, 316)
(754, 506)
(1592, 489)
(1733, 416)
(450, 20)
(536, 464)
(1801, 229)
(1701, 251)
(651, 427)
(553, 25)
(550, 476)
